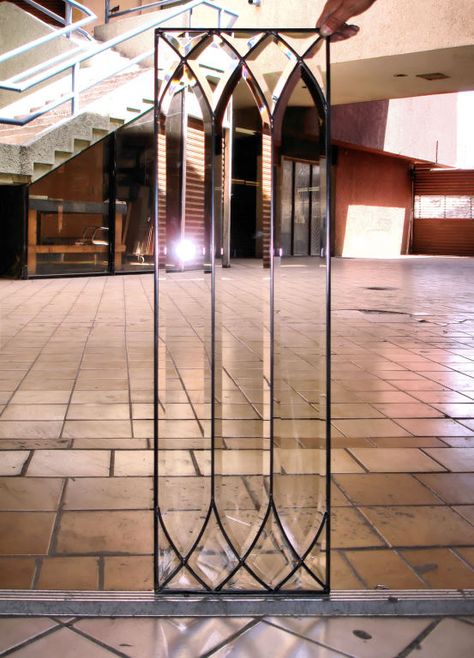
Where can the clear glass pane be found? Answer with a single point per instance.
(243, 328)
(184, 315)
(299, 402)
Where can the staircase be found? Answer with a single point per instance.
(111, 89)
(31, 151)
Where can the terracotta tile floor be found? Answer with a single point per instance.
(76, 429)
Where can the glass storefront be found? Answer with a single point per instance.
(69, 225)
(94, 213)
(134, 176)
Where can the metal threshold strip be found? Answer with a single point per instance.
(390, 603)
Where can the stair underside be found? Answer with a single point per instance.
(31, 151)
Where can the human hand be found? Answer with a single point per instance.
(332, 22)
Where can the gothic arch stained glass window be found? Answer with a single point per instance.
(242, 320)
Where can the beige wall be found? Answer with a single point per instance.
(405, 37)
(408, 37)
(389, 27)
(413, 127)
(394, 27)
(97, 6)
(17, 27)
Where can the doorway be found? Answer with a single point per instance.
(301, 208)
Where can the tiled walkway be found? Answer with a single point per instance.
(237, 638)
(75, 429)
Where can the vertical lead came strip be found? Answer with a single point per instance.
(212, 255)
(328, 314)
(272, 296)
(156, 575)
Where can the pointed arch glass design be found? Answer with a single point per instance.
(242, 340)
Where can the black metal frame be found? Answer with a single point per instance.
(323, 103)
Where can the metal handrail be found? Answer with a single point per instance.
(115, 12)
(55, 34)
(17, 83)
(67, 19)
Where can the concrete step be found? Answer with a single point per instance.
(97, 96)
(36, 149)
(111, 62)
(31, 151)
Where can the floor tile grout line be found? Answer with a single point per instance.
(84, 349)
(343, 654)
(60, 621)
(101, 573)
(36, 572)
(412, 569)
(458, 513)
(352, 568)
(185, 389)
(235, 636)
(32, 640)
(402, 547)
(357, 460)
(455, 549)
(378, 532)
(430, 488)
(195, 464)
(415, 644)
(127, 357)
(436, 460)
(52, 540)
(40, 352)
(52, 546)
(26, 463)
(96, 641)
(112, 463)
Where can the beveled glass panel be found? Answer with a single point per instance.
(242, 347)
(184, 317)
(299, 402)
(241, 503)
